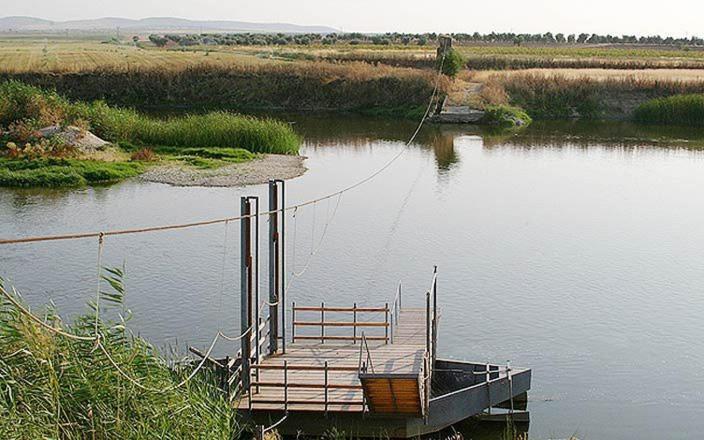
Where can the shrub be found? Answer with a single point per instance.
(453, 63)
(505, 116)
(677, 110)
(144, 155)
(21, 102)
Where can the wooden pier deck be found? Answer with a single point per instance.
(305, 384)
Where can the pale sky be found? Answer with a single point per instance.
(640, 17)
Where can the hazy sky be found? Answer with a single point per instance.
(641, 17)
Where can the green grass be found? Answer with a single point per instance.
(203, 141)
(505, 116)
(64, 172)
(674, 110)
(52, 387)
(216, 129)
(38, 108)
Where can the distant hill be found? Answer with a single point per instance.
(152, 24)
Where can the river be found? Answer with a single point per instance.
(571, 248)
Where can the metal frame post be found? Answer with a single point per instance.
(245, 280)
(254, 284)
(427, 323)
(435, 314)
(274, 265)
(283, 263)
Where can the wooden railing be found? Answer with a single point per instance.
(325, 385)
(324, 323)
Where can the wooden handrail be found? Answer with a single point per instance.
(310, 402)
(342, 324)
(303, 367)
(338, 309)
(307, 385)
(341, 338)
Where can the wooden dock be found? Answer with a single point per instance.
(322, 373)
(367, 370)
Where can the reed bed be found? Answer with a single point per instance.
(674, 110)
(25, 105)
(562, 97)
(309, 86)
(54, 387)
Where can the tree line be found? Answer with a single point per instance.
(395, 38)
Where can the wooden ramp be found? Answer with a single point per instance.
(324, 375)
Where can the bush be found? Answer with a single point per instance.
(453, 63)
(505, 116)
(676, 110)
(144, 155)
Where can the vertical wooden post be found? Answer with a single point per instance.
(274, 275)
(293, 322)
(326, 388)
(386, 321)
(286, 386)
(245, 280)
(354, 323)
(322, 322)
(392, 323)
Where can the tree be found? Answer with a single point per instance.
(158, 40)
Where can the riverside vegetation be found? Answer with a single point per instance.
(54, 387)
(337, 73)
(204, 141)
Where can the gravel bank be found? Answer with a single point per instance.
(260, 170)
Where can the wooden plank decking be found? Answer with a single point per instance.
(306, 375)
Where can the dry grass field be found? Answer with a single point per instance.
(37, 55)
(685, 75)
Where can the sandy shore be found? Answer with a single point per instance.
(260, 170)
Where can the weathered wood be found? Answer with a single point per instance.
(303, 386)
(342, 324)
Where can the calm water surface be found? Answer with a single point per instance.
(573, 249)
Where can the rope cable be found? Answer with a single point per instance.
(97, 290)
(34, 318)
(169, 388)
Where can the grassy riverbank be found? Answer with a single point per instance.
(205, 141)
(552, 95)
(675, 110)
(549, 81)
(54, 387)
